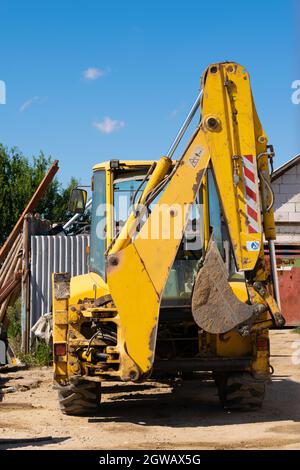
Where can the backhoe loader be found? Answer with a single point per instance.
(180, 285)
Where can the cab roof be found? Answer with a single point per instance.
(122, 164)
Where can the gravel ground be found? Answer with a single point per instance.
(154, 416)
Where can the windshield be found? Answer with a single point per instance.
(124, 192)
(179, 285)
(127, 190)
(98, 227)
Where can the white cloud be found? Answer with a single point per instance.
(174, 113)
(177, 111)
(30, 102)
(93, 73)
(108, 125)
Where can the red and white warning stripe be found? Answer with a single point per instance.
(251, 193)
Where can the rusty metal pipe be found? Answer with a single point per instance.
(37, 196)
(272, 252)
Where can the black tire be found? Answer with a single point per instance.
(240, 391)
(82, 398)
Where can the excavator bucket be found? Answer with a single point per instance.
(215, 307)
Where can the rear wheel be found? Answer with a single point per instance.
(82, 398)
(240, 391)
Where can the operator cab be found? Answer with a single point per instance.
(117, 186)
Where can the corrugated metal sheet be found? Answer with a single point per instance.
(50, 254)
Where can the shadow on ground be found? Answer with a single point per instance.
(12, 443)
(195, 403)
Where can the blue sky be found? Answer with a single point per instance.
(92, 80)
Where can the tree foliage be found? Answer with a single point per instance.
(19, 178)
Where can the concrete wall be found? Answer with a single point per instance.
(287, 205)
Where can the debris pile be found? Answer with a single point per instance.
(12, 379)
(5, 377)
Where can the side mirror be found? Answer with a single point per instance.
(77, 201)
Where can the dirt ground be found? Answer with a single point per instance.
(148, 416)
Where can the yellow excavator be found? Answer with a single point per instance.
(180, 285)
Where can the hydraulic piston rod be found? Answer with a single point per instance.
(184, 126)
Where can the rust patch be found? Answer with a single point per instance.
(62, 286)
(199, 177)
(103, 300)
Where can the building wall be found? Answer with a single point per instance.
(287, 205)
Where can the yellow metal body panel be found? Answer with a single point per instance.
(240, 290)
(139, 313)
(205, 211)
(233, 345)
(234, 138)
(60, 332)
(87, 286)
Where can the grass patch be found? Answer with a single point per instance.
(297, 330)
(14, 322)
(40, 353)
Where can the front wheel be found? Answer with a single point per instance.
(82, 398)
(240, 391)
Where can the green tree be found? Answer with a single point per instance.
(18, 181)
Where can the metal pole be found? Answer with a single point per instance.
(185, 125)
(274, 271)
(75, 217)
(25, 313)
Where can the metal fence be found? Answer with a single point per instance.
(50, 254)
